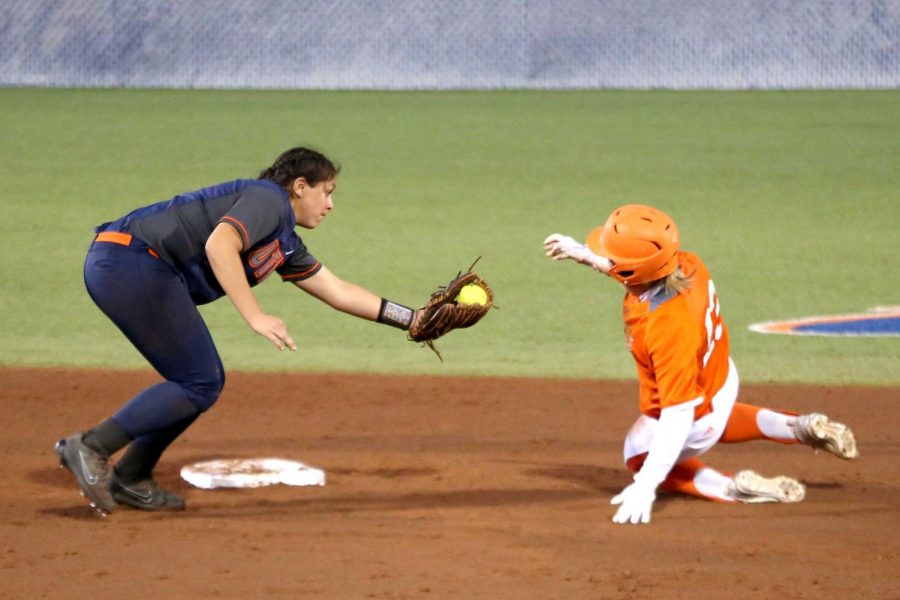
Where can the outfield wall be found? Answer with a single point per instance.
(451, 44)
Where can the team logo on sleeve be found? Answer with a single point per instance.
(265, 259)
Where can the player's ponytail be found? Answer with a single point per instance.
(300, 162)
(678, 281)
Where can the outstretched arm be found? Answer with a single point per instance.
(355, 300)
(341, 295)
(561, 247)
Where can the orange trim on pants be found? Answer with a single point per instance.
(123, 239)
(115, 237)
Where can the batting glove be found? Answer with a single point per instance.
(635, 503)
(560, 247)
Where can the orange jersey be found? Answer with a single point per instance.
(680, 343)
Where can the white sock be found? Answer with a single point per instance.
(712, 484)
(775, 425)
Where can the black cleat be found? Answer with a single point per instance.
(145, 495)
(91, 471)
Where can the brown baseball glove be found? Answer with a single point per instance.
(461, 303)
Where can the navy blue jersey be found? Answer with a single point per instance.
(259, 210)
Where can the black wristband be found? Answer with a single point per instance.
(395, 315)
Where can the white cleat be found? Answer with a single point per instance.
(750, 487)
(821, 433)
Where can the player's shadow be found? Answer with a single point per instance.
(50, 477)
(78, 511)
(484, 497)
(591, 477)
(584, 482)
(831, 485)
(603, 482)
(232, 502)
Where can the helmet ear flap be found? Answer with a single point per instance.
(641, 241)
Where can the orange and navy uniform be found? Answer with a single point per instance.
(679, 342)
(148, 271)
(176, 231)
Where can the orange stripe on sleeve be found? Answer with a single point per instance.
(239, 226)
(302, 274)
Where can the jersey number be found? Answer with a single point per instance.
(264, 259)
(713, 323)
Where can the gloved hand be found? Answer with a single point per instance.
(636, 502)
(445, 310)
(559, 247)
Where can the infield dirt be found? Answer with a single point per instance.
(440, 488)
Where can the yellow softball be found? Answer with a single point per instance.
(472, 294)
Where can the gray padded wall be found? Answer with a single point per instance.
(446, 44)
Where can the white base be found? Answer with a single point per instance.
(251, 473)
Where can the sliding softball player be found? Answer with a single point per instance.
(688, 382)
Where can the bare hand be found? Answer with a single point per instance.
(274, 330)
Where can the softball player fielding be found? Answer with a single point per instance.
(149, 270)
(688, 382)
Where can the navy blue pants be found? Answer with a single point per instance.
(148, 300)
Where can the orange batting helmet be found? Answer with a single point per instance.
(641, 241)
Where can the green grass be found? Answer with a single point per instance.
(792, 198)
